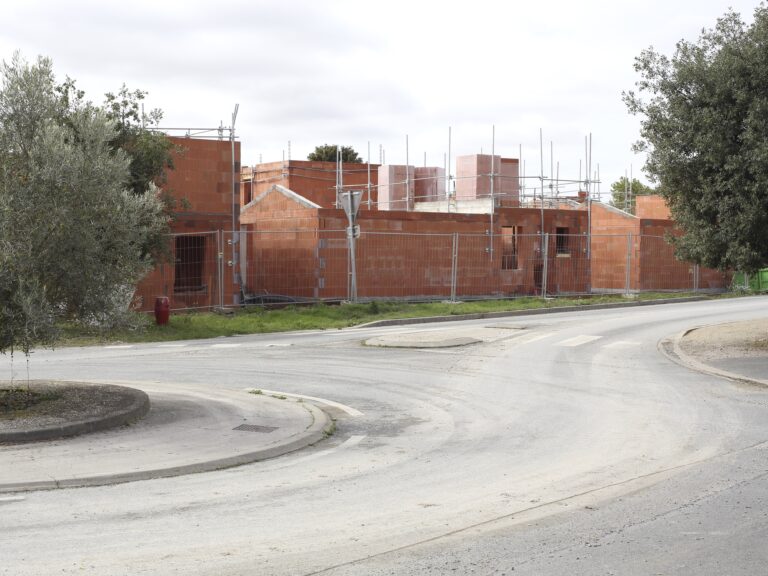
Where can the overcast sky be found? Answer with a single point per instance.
(348, 72)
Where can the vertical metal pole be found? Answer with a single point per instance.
(599, 197)
(235, 202)
(626, 191)
(696, 277)
(520, 176)
(544, 265)
(551, 166)
(628, 273)
(589, 170)
(589, 227)
(353, 267)
(448, 173)
(368, 161)
(243, 259)
(407, 177)
(454, 265)
(541, 175)
(493, 199)
(220, 266)
(445, 175)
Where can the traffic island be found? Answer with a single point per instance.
(47, 410)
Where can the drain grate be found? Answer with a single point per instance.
(255, 428)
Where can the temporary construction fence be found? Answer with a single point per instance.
(284, 266)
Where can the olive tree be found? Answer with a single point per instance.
(72, 233)
(704, 120)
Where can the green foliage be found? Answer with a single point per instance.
(150, 152)
(704, 124)
(72, 236)
(328, 153)
(623, 196)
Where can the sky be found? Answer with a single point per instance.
(390, 76)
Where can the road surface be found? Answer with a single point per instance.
(555, 444)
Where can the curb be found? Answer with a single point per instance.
(379, 342)
(677, 355)
(138, 408)
(533, 312)
(321, 426)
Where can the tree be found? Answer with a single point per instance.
(328, 153)
(704, 124)
(150, 152)
(71, 231)
(621, 191)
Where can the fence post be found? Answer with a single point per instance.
(352, 285)
(454, 264)
(628, 272)
(695, 277)
(220, 267)
(545, 258)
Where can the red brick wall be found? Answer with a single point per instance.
(609, 245)
(201, 183)
(653, 265)
(282, 246)
(404, 254)
(315, 181)
(652, 206)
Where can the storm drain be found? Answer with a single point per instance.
(255, 428)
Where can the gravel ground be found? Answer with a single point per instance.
(72, 403)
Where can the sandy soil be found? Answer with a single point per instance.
(747, 339)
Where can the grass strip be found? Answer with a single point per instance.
(256, 320)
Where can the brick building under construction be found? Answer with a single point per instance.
(421, 235)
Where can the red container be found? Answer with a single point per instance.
(162, 310)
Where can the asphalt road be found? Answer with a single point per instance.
(557, 444)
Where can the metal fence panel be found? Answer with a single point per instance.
(413, 266)
(293, 266)
(189, 277)
(283, 266)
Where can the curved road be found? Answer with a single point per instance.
(561, 444)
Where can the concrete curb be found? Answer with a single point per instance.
(676, 354)
(534, 312)
(138, 408)
(321, 426)
(446, 343)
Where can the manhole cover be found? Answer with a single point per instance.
(255, 428)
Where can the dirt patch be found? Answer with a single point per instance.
(747, 339)
(15, 401)
(66, 409)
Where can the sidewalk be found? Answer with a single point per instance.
(187, 430)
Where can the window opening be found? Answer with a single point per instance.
(561, 240)
(509, 245)
(190, 261)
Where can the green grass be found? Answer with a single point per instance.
(191, 326)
